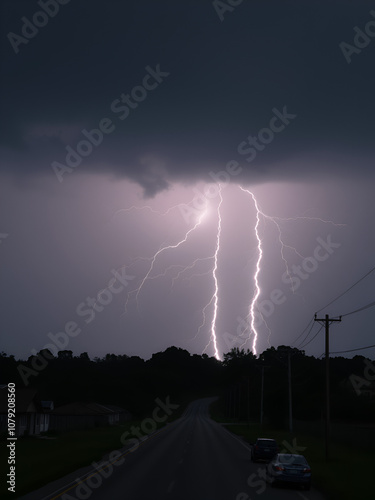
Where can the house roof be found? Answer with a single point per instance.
(82, 409)
(116, 409)
(25, 400)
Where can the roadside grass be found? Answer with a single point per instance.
(40, 461)
(345, 476)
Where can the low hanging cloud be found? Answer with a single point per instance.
(189, 104)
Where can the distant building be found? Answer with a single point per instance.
(31, 417)
(121, 415)
(80, 415)
(47, 406)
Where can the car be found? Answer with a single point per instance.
(264, 449)
(290, 468)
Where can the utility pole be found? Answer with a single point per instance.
(261, 398)
(289, 353)
(290, 393)
(248, 400)
(262, 367)
(326, 322)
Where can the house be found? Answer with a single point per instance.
(368, 390)
(82, 415)
(121, 415)
(47, 406)
(31, 419)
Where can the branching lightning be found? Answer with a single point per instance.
(308, 218)
(150, 209)
(191, 266)
(163, 249)
(283, 246)
(213, 303)
(215, 297)
(214, 300)
(257, 270)
(182, 269)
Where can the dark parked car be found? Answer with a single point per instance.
(290, 469)
(264, 449)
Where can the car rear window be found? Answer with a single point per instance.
(292, 459)
(266, 444)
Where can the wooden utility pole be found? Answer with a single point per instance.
(326, 322)
(248, 400)
(290, 405)
(290, 393)
(261, 398)
(262, 367)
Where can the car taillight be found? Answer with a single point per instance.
(256, 447)
(278, 467)
(306, 469)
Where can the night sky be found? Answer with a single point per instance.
(119, 122)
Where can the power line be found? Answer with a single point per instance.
(348, 289)
(352, 350)
(307, 335)
(311, 322)
(317, 333)
(371, 304)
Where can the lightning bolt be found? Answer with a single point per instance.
(182, 269)
(308, 218)
(257, 270)
(163, 249)
(152, 261)
(191, 266)
(283, 246)
(213, 302)
(215, 297)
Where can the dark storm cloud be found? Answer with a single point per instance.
(225, 78)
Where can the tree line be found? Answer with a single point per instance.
(134, 383)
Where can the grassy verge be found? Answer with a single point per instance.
(345, 476)
(40, 461)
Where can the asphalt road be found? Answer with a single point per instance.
(193, 458)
